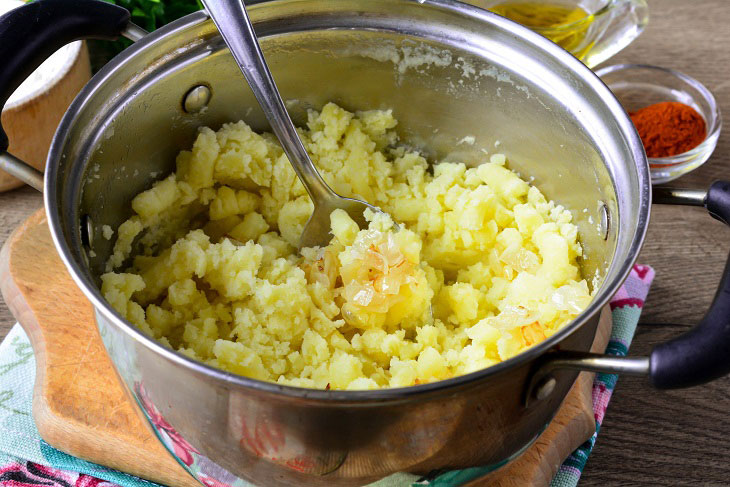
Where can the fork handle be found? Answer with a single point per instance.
(235, 26)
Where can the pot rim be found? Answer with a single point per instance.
(229, 379)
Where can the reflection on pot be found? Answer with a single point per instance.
(181, 448)
(333, 445)
(204, 470)
(261, 435)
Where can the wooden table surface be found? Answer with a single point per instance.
(649, 437)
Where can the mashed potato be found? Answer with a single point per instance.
(482, 268)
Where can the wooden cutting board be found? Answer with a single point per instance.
(81, 408)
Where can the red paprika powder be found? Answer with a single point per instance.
(669, 128)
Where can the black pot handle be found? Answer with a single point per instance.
(31, 33)
(698, 356)
(703, 353)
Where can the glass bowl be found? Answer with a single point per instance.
(637, 85)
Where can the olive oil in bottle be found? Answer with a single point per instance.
(565, 25)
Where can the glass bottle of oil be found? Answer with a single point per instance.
(564, 24)
(592, 30)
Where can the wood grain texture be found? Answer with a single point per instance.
(81, 408)
(648, 437)
(677, 437)
(79, 405)
(15, 206)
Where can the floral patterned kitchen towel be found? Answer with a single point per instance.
(27, 461)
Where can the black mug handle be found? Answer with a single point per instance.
(703, 353)
(31, 33)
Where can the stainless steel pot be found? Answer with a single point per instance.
(447, 70)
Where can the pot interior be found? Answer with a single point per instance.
(449, 72)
